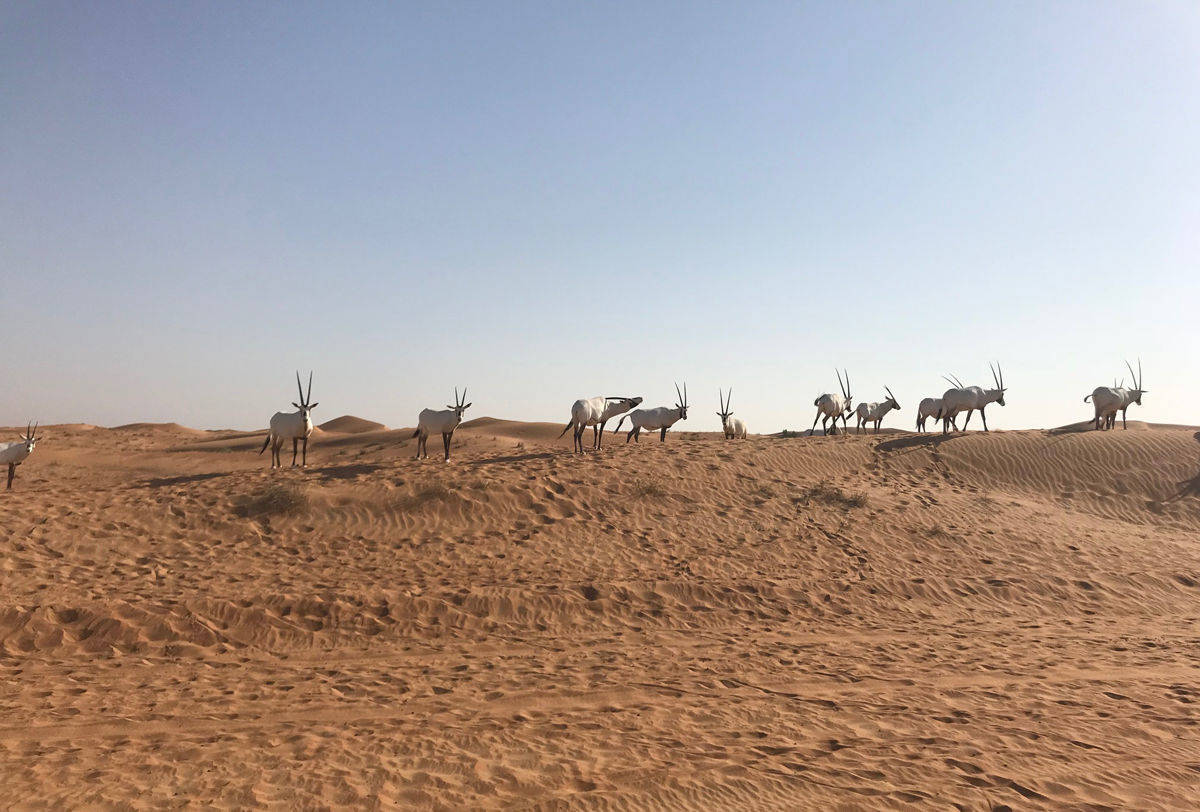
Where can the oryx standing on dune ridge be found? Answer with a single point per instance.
(930, 407)
(13, 454)
(595, 412)
(443, 421)
(875, 412)
(661, 418)
(834, 406)
(735, 427)
(1110, 400)
(971, 398)
(295, 426)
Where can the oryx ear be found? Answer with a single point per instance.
(297, 405)
(465, 405)
(312, 405)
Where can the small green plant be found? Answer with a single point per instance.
(826, 493)
(274, 500)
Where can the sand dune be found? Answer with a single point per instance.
(875, 621)
(349, 424)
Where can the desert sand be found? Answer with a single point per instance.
(1009, 619)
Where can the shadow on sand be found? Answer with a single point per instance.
(166, 482)
(917, 441)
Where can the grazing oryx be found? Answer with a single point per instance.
(930, 407)
(661, 418)
(834, 406)
(444, 422)
(295, 426)
(1110, 400)
(735, 427)
(875, 412)
(595, 412)
(969, 399)
(13, 454)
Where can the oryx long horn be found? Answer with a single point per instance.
(841, 385)
(678, 395)
(464, 400)
(299, 387)
(308, 397)
(1140, 381)
(729, 398)
(1136, 385)
(685, 393)
(34, 433)
(847, 374)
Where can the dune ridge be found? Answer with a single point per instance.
(871, 621)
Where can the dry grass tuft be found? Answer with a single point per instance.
(647, 487)
(826, 493)
(426, 494)
(276, 499)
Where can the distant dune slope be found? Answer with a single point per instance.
(348, 424)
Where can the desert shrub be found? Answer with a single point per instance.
(647, 487)
(275, 499)
(826, 493)
(424, 495)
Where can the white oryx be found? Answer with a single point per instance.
(443, 421)
(295, 426)
(661, 418)
(834, 406)
(13, 454)
(595, 412)
(969, 399)
(930, 407)
(1110, 400)
(735, 427)
(875, 412)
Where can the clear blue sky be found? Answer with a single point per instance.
(548, 201)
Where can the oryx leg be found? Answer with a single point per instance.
(1124, 426)
(304, 453)
(966, 422)
(983, 416)
(446, 435)
(662, 435)
(577, 440)
(598, 435)
(814, 425)
(12, 471)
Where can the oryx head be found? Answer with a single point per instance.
(892, 399)
(625, 403)
(304, 406)
(29, 438)
(725, 410)
(1137, 391)
(846, 390)
(459, 406)
(998, 377)
(682, 404)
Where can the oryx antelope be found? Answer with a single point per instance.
(443, 421)
(735, 427)
(1110, 400)
(875, 412)
(661, 418)
(834, 406)
(930, 407)
(595, 412)
(295, 426)
(13, 454)
(970, 399)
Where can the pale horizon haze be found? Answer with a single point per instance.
(550, 201)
